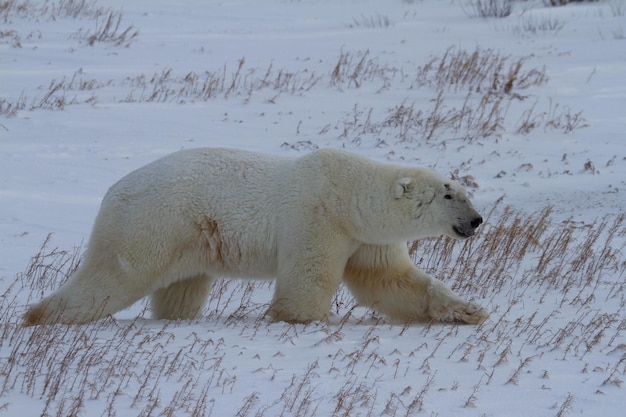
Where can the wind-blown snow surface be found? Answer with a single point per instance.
(286, 77)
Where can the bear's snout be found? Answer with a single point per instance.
(465, 230)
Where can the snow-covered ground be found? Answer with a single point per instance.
(541, 123)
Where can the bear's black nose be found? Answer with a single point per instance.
(476, 222)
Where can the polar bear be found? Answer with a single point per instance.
(169, 228)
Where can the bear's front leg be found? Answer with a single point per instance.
(445, 305)
(309, 274)
(383, 277)
(312, 303)
(304, 292)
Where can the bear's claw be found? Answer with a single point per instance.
(459, 311)
(470, 313)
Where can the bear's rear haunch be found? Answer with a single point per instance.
(169, 228)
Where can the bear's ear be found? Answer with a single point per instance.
(401, 186)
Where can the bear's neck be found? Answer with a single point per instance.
(372, 217)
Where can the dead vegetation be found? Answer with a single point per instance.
(354, 69)
(480, 71)
(473, 93)
(241, 81)
(488, 8)
(370, 22)
(108, 28)
(49, 9)
(555, 290)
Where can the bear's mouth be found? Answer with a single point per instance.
(463, 233)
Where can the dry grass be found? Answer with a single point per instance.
(445, 120)
(473, 119)
(532, 25)
(354, 69)
(242, 81)
(370, 22)
(108, 30)
(488, 8)
(108, 22)
(57, 95)
(49, 9)
(567, 276)
(164, 86)
(554, 117)
(481, 70)
(473, 92)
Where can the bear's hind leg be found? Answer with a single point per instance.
(90, 294)
(182, 300)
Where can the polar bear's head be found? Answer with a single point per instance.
(438, 205)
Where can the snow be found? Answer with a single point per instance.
(552, 347)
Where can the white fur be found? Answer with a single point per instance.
(169, 228)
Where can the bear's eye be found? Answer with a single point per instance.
(447, 197)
